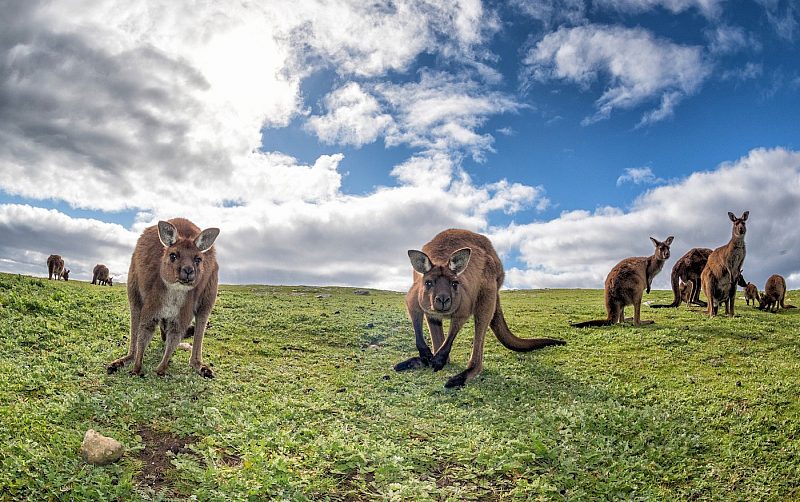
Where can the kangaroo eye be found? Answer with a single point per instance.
(197, 260)
(173, 257)
(454, 284)
(428, 284)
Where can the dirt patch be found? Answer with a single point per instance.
(156, 456)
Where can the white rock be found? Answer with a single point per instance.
(100, 450)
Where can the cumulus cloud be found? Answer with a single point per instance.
(639, 176)
(638, 67)
(354, 117)
(580, 247)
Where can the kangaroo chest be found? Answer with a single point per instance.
(172, 303)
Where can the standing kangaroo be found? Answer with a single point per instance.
(172, 277)
(457, 275)
(774, 294)
(723, 269)
(101, 275)
(751, 293)
(688, 269)
(627, 281)
(55, 267)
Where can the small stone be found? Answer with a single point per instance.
(362, 292)
(370, 325)
(100, 450)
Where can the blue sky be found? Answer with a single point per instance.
(326, 138)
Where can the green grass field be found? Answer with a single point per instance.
(305, 404)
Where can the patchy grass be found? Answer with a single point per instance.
(306, 405)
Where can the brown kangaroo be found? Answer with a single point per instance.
(626, 282)
(687, 291)
(723, 269)
(457, 275)
(173, 276)
(774, 294)
(750, 293)
(688, 268)
(55, 267)
(101, 275)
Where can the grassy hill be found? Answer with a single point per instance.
(306, 405)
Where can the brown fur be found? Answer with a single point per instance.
(687, 292)
(457, 275)
(688, 269)
(101, 275)
(627, 281)
(173, 276)
(774, 294)
(55, 268)
(723, 269)
(750, 293)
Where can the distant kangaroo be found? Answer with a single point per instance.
(774, 294)
(723, 269)
(751, 293)
(688, 269)
(686, 292)
(55, 267)
(101, 275)
(173, 276)
(627, 281)
(457, 275)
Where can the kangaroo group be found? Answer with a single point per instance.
(173, 280)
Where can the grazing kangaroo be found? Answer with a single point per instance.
(626, 282)
(101, 275)
(723, 269)
(457, 275)
(750, 293)
(774, 294)
(173, 276)
(688, 269)
(55, 268)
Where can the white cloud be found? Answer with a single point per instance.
(709, 8)
(638, 66)
(354, 117)
(783, 16)
(639, 176)
(579, 248)
(725, 39)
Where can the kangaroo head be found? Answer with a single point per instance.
(739, 227)
(182, 258)
(65, 274)
(440, 291)
(662, 248)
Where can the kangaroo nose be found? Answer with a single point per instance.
(441, 302)
(187, 272)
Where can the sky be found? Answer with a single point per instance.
(326, 138)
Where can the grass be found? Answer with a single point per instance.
(306, 405)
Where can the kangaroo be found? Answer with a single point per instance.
(457, 275)
(686, 291)
(626, 282)
(101, 275)
(173, 276)
(750, 293)
(723, 268)
(55, 268)
(688, 268)
(774, 294)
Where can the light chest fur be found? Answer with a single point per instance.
(173, 301)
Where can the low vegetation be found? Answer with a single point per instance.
(305, 404)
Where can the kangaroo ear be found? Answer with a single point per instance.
(167, 233)
(668, 242)
(206, 239)
(458, 261)
(655, 242)
(731, 216)
(420, 261)
(745, 215)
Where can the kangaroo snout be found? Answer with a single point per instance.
(187, 274)
(442, 302)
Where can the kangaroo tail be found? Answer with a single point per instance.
(513, 342)
(596, 322)
(789, 307)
